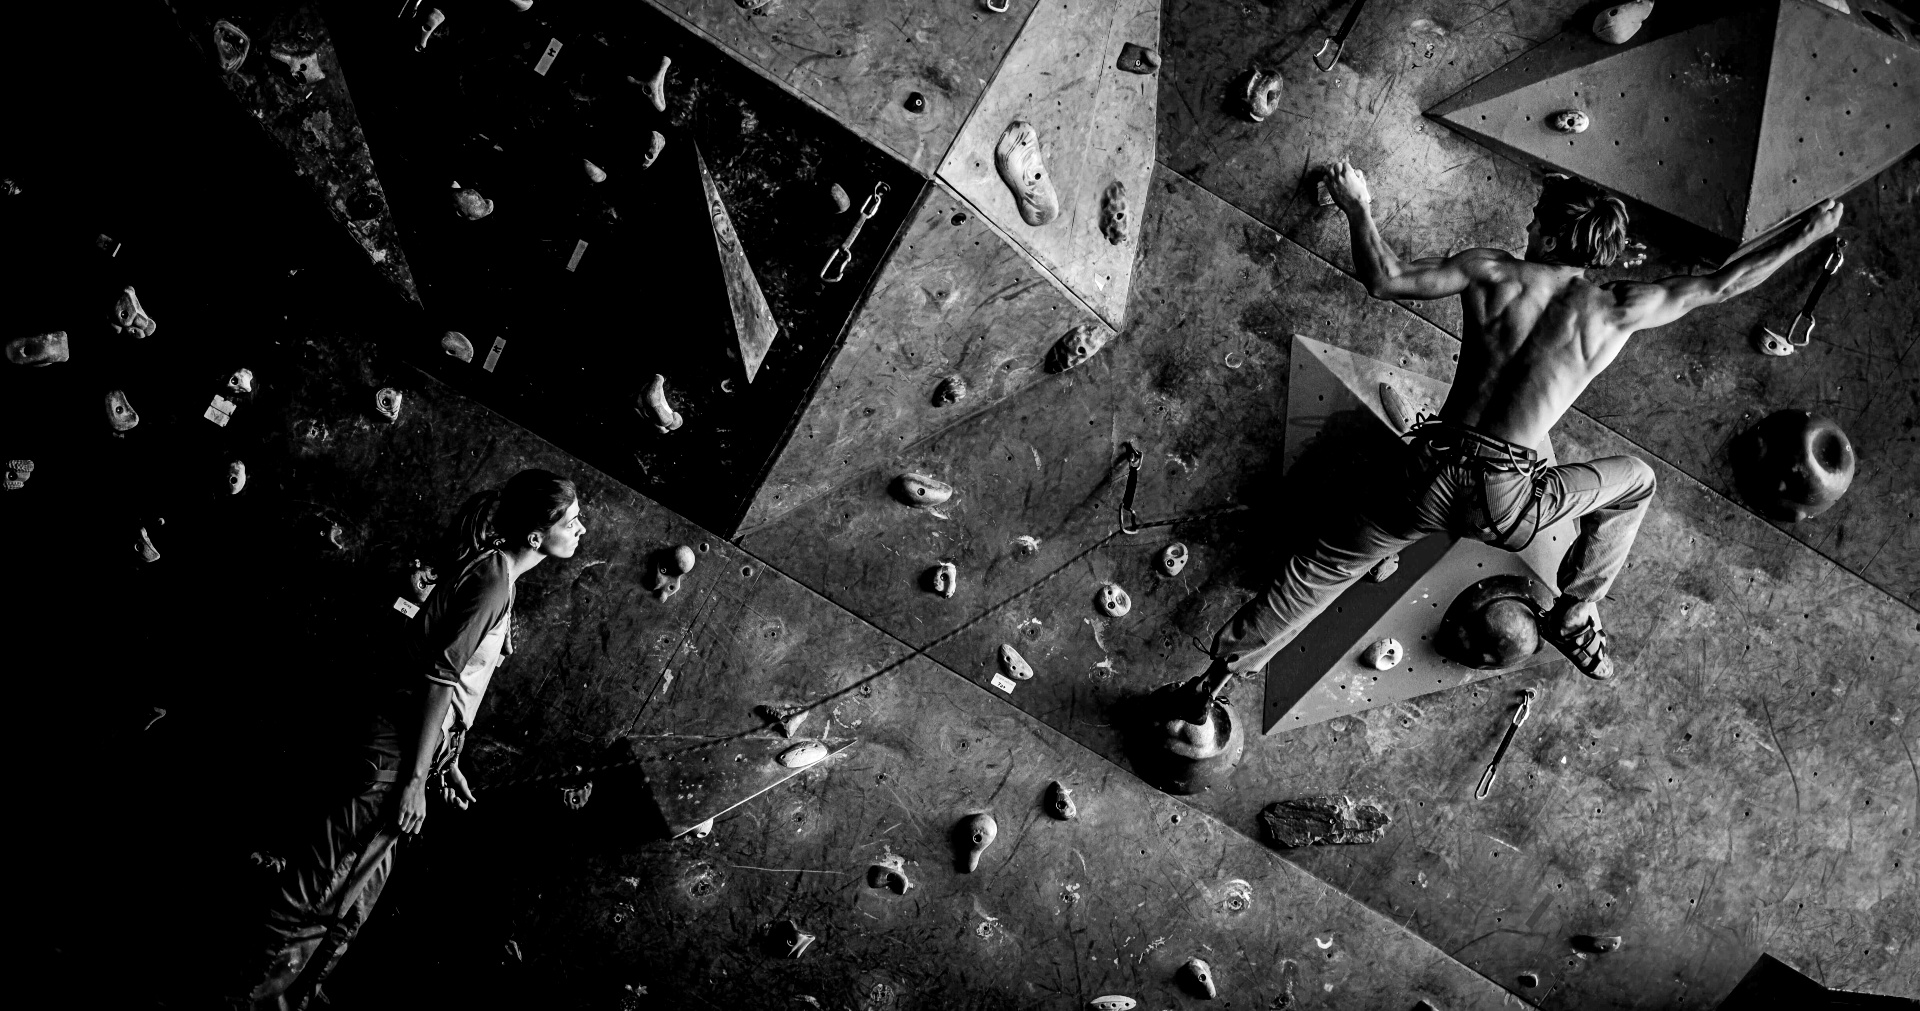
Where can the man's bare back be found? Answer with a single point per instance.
(1536, 333)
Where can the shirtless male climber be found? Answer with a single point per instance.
(1537, 331)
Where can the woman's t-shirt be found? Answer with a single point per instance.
(463, 631)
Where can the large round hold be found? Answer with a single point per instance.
(1621, 22)
(1793, 465)
(1494, 624)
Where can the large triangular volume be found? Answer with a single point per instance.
(1321, 675)
(1843, 103)
(1090, 131)
(1675, 118)
(753, 323)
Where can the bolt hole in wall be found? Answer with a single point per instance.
(648, 294)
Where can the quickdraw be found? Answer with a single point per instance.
(1130, 520)
(1800, 334)
(1338, 41)
(1493, 768)
(837, 260)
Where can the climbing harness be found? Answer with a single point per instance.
(1338, 41)
(837, 260)
(1488, 456)
(1130, 520)
(1799, 335)
(1493, 768)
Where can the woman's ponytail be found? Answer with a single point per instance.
(500, 518)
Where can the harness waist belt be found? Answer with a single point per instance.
(1450, 438)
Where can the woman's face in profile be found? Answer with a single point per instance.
(563, 538)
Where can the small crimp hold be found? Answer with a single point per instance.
(974, 834)
(889, 873)
(1114, 600)
(1257, 92)
(702, 830)
(421, 580)
(576, 797)
(120, 413)
(655, 87)
(469, 204)
(1112, 1002)
(129, 317)
(802, 755)
(1060, 801)
(654, 407)
(1569, 121)
(302, 66)
(241, 381)
(1197, 976)
(143, 544)
(231, 44)
(1384, 654)
(433, 19)
(455, 343)
(951, 390)
(39, 350)
(944, 579)
(1137, 59)
(841, 202)
(1113, 213)
(656, 143)
(595, 174)
(1596, 944)
(921, 490)
(1076, 346)
(1013, 665)
(1172, 559)
(387, 401)
(786, 940)
(236, 477)
(787, 718)
(18, 473)
(1384, 569)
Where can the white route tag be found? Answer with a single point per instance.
(405, 606)
(1004, 683)
(220, 411)
(546, 58)
(493, 356)
(579, 250)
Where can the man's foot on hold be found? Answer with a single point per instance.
(1573, 627)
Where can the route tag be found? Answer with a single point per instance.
(1004, 683)
(220, 411)
(579, 250)
(493, 356)
(405, 606)
(546, 58)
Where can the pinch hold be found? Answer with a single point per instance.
(802, 755)
(1173, 558)
(1013, 665)
(40, 350)
(656, 143)
(433, 19)
(1114, 600)
(1060, 801)
(921, 490)
(974, 834)
(654, 407)
(655, 87)
(1198, 977)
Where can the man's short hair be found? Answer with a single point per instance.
(1579, 225)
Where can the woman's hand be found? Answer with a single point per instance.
(413, 806)
(457, 791)
(1348, 187)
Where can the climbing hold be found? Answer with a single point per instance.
(951, 390)
(576, 797)
(944, 579)
(1395, 409)
(787, 717)
(1569, 121)
(1258, 93)
(1013, 665)
(129, 317)
(841, 202)
(1384, 654)
(595, 174)
(1114, 600)
(1307, 821)
(802, 755)
(433, 19)
(889, 873)
(1197, 976)
(1596, 944)
(1113, 213)
(1060, 802)
(143, 544)
(916, 103)
(311, 432)
(231, 44)
(1621, 22)
(654, 407)
(655, 87)
(236, 477)
(973, 835)
(1793, 466)
(921, 490)
(656, 143)
(1076, 346)
(386, 401)
(702, 830)
(469, 204)
(1137, 59)
(304, 66)
(1112, 1002)
(1494, 623)
(39, 350)
(18, 473)
(420, 580)
(120, 414)
(786, 940)
(1384, 569)
(1018, 159)
(1173, 558)
(241, 381)
(455, 343)
(666, 567)
(1529, 979)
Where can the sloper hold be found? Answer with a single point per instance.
(753, 322)
(972, 836)
(1309, 821)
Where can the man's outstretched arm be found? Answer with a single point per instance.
(1378, 267)
(1643, 306)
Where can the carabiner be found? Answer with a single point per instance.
(838, 259)
(1130, 520)
(1493, 768)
